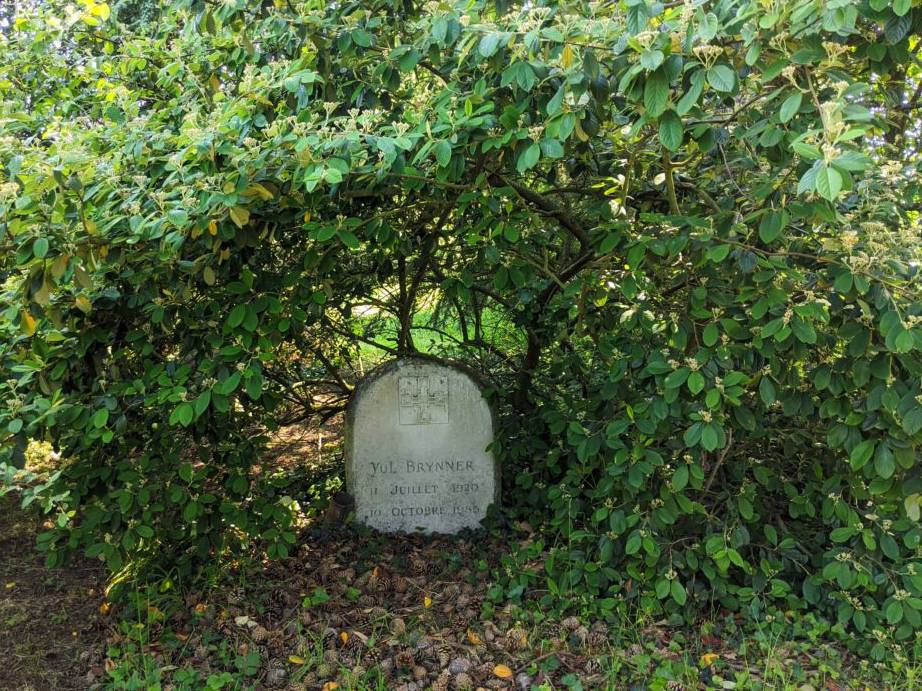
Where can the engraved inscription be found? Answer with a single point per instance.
(422, 400)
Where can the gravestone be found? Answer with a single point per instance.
(416, 438)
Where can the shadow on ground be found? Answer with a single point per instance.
(50, 626)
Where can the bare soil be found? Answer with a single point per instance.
(50, 624)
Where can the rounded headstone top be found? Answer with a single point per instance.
(417, 432)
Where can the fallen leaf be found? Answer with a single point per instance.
(10, 585)
(344, 637)
(296, 659)
(241, 621)
(427, 602)
(708, 659)
(473, 638)
(330, 685)
(502, 672)
(104, 608)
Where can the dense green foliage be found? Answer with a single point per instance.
(681, 239)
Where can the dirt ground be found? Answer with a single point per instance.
(49, 620)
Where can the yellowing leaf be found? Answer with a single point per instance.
(28, 323)
(708, 659)
(307, 216)
(10, 585)
(502, 672)
(296, 659)
(330, 686)
(427, 602)
(212, 227)
(240, 216)
(83, 304)
(208, 276)
(255, 189)
(473, 638)
(344, 637)
(566, 56)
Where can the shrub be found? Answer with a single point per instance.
(681, 239)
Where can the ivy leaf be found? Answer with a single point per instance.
(722, 78)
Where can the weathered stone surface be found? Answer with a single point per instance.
(416, 458)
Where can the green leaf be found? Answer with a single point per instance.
(528, 158)
(709, 437)
(100, 418)
(721, 78)
(361, 38)
(178, 217)
(670, 130)
(767, 391)
(677, 378)
(710, 335)
(695, 382)
(884, 463)
(790, 106)
(828, 182)
(490, 43)
(904, 342)
(349, 239)
(656, 93)
(235, 318)
(40, 248)
(443, 152)
(184, 414)
(678, 592)
(861, 454)
(771, 226)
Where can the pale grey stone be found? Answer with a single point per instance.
(417, 433)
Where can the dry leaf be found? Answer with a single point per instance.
(427, 602)
(473, 638)
(330, 685)
(344, 637)
(241, 621)
(104, 608)
(296, 659)
(502, 672)
(708, 659)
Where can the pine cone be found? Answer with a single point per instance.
(516, 639)
(597, 639)
(330, 638)
(259, 634)
(593, 666)
(419, 566)
(463, 682)
(443, 683)
(405, 659)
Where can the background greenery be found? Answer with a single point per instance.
(680, 239)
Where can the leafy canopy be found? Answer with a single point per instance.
(680, 238)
